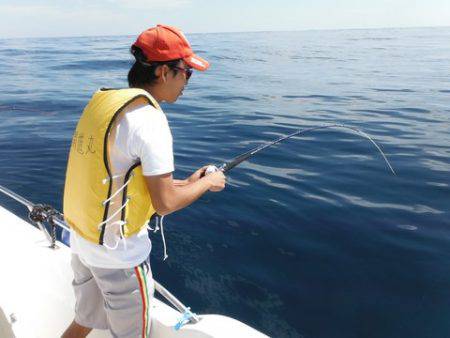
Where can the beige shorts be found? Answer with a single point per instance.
(114, 299)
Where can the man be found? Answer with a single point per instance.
(119, 173)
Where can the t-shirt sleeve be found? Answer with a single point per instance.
(152, 144)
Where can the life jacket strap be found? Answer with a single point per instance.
(118, 191)
(114, 214)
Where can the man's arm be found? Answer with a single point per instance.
(180, 183)
(169, 196)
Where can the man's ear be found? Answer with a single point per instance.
(161, 73)
(164, 72)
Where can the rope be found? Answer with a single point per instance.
(114, 214)
(53, 234)
(117, 191)
(109, 228)
(105, 180)
(159, 224)
(163, 238)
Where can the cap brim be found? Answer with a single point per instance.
(196, 62)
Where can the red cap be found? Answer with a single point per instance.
(165, 43)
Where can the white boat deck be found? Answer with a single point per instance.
(37, 301)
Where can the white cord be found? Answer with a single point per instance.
(114, 214)
(117, 191)
(159, 224)
(163, 238)
(122, 237)
(105, 180)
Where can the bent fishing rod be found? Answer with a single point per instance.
(227, 166)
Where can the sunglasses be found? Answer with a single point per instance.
(187, 71)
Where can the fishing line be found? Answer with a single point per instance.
(227, 166)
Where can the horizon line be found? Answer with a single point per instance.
(231, 32)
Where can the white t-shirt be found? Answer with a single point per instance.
(142, 134)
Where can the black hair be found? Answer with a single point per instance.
(142, 72)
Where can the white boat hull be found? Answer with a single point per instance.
(37, 301)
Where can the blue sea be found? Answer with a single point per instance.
(311, 238)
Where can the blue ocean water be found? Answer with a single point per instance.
(311, 238)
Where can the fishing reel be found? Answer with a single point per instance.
(211, 169)
(224, 167)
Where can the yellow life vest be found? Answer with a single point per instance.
(92, 196)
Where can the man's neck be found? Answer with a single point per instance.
(154, 92)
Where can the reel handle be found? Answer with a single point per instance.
(209, 170)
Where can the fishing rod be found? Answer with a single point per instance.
(227, 166)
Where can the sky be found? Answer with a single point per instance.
(49, 18)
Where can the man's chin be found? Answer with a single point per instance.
(175, 99)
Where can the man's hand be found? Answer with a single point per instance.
(168, 196)
(217, 181)
(197, 175)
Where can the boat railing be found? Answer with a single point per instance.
(41, 214)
